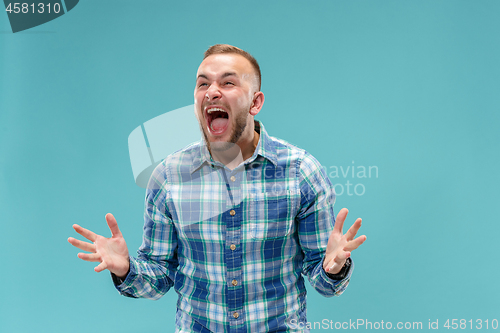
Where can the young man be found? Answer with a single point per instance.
(233, 222)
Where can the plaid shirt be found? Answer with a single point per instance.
(236, 244)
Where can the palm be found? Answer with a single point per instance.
(111, 253)
(340, 245)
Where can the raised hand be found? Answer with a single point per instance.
(111, 253)
(340, 246)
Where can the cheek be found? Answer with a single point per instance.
(198, 103)
(199, 96)
(197, 107)
(242, 103)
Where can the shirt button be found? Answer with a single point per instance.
(234, 283)
(236, 315)
(232, 247)
(232, 212)
(233, 178)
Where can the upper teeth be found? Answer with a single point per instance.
(215, 109)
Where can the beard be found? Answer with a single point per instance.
(240, 123)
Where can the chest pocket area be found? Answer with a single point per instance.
(272, 214)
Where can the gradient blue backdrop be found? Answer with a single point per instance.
(411, 87)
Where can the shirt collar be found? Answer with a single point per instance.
(265, 148)
(202, 156)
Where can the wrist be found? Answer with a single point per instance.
(123, 272)
(119, 279)
(343, 271)
(123, 277)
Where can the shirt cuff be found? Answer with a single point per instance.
(343, 272)
(339, 285)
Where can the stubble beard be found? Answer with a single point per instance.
(240, 123)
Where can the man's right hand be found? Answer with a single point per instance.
(111, 253)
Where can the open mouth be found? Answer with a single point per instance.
(217, 120)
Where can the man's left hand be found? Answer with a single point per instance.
(340, 246)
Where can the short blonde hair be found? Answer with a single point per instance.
(225, 48)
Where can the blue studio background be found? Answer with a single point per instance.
(410, 88)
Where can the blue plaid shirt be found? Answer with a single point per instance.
(235, 244)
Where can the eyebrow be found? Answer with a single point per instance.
(228, 74)
(222, 77)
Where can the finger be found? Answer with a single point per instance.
(85, 233)
(89, 247)
(354, 244)
(339, 222)
(353, 230)
(113, 225)
(90, 257)
(102, 266)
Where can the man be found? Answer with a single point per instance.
(235, 221)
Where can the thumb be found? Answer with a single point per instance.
(113, 225)
(338, 262)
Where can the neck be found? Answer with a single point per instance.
(248, 149)
(235, 154)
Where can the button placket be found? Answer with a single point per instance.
(233, 221)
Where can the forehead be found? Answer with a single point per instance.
(218, 64)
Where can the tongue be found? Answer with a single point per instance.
(219, 124)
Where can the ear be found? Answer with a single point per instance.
(258, 102)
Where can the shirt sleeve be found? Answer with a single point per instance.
(315, 223)
(152, 273)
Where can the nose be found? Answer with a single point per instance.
(213, 93)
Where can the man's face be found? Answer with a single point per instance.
(223, 97)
